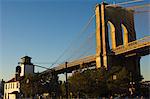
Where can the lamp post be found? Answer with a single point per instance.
(66, 80)
(132, 83)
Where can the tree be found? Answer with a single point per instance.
(28, 86)
(91, 83)
(100, 82)
(119, 85)
(35, 84)
(2, 86)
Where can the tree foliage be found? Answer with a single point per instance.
(31, 85)
(38, 84)
(91, 83)
(119, 85)
(99, 82)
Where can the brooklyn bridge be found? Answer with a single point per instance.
(116, 45)
(125, 49)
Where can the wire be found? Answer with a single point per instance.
(42, 67)
(71, 44)
(133, 1)
(127, 2)
(81, 46)
(43, 63)
(139, 6)
(137, 12)
(86, 51)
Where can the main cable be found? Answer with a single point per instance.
(87, 40)
(71, 44)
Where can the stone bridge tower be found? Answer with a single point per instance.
(121, 31)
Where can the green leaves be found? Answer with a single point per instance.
(35, 84)
(88, 83)
(120, 84)
(99, 82)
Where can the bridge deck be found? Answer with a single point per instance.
(75, 63)
(131, 46)
(137, 44)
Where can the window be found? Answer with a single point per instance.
(17, 85)
(114, 77)
(6, 86)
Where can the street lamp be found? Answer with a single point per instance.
(66, 80)
(132, 83)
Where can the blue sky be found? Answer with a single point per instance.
(43, 29)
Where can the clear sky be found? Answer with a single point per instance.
(43, 29)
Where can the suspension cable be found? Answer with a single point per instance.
(71, 44)
(81, 46)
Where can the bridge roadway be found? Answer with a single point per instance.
(76, 64)
(139, 47)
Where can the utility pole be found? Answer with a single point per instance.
(66, 80)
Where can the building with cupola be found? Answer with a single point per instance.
(26, 66)
(12, 87)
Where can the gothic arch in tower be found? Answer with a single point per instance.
(125, 34)
(112, 34)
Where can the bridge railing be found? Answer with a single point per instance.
(133, 45)
(76, 62)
